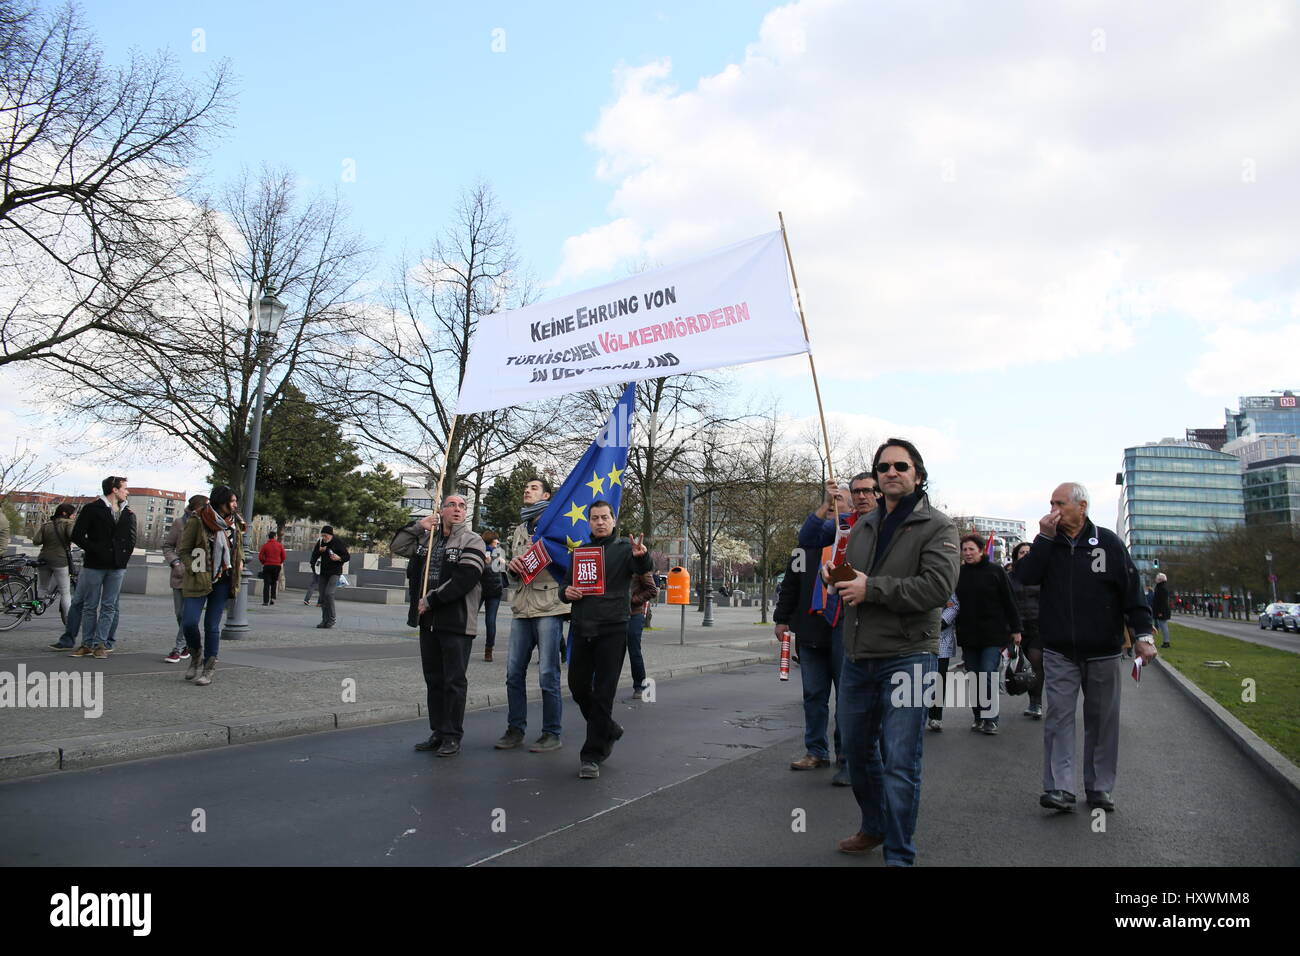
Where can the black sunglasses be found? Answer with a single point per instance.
(899, 466)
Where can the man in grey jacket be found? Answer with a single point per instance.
(905, 558)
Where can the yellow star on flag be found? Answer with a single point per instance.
(615, 476)
(577, 513)
(571, 543)
(597, 484)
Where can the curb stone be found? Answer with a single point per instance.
(1263, 754)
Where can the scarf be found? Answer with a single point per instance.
(222, 532)
(529, 514)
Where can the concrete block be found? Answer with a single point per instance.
(371, 595)
(375, 578)
(80, 752)
(268, 726)
(385, 713)
(24, 760)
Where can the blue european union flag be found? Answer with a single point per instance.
(598, 474)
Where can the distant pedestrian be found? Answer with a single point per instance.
(171, 551)
(1160, 607)
(947, 651)
(4, 532)
(1031, 644)
(600, 634)
(313, 586)
(330, 554)
(644, 591)
(212, 558)
(105, 531)
(271, 556)
(447, 611)
(55, 538)
(496, 562)
(1090, 590)
(987, 622)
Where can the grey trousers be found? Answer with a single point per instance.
(327, 588)
(1100, 682)
(178, 604)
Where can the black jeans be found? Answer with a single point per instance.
(444, 658)
(936, 712)
(595, 664)
(270, 578)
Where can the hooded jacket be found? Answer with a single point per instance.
(906, 589)
(1089, 589)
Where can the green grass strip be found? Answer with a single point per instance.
(1275, 712)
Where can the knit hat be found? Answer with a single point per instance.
(328, 529)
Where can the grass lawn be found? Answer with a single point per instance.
(1275, 712)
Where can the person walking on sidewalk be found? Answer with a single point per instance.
(644, 591)
(313, 586)
(1031, 644)
(1160, 608)
(171, 551)
(331, 554)
(211, 563)
(105, 531)
(600, 634)
(987, 622)
(447, 611)
(55, 538)
(271, 556)
(536, 622)
(947, 651)
(496, 558)
(1090, 589)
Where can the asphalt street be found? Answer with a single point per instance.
(1243, 631)
(701, 778)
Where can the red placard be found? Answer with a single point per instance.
(589, 570)
(535, 558)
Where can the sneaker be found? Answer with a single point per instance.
(1035, 711)
(511, 739)
(934, 725)
(546, 743)
(100, 654)
(82, 651)
(990, 727)
(449, 748)
(809, 762)
(56, 646)
(978, 725)
(589, 770)
(185, 654)
(173, 658)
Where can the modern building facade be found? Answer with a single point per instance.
(1175, 495)
(1272, 491)
(1214, 437)
(1252, 449)
(1264, 414)
(154, 508)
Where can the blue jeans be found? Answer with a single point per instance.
(635, 625)
(102, 587)
(216, 608)
(490, 606)
(883, 743)
(984, 661)
(819, 668)
(525, 634)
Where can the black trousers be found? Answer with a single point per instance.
(595, 664)
(444, 658)
(270, 579)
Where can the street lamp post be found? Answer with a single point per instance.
(1272, 578)
(270, 313)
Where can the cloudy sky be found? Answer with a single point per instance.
(1027, 235)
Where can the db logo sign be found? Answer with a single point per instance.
(1287, 401)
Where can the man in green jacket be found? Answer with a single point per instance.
(905, 558)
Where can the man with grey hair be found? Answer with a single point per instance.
(1090, 588)
(1160, 607)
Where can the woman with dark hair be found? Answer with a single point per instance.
(212, 554)
(987, 621)
(55, 539)
(1030, 645)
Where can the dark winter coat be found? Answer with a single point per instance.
(593, 613)
(107, 543)
(1160, 603)
(320, 555)
(794, 600)
(988, 615)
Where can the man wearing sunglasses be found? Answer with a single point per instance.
(905, 560)
(862, 498)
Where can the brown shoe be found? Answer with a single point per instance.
(82, 651)
(100, 654)
(487, 653)
(809, 762)
(860, 843)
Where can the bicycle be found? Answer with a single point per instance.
(19, 597)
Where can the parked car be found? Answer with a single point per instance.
(1291, 619)
(1271, 617)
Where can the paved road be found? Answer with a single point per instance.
(700, 778)
(1243, 631)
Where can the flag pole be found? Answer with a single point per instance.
(826, 438)
(442, 476)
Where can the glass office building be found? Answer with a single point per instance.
(1263, 414)
(1272, 491)
(1176, 494)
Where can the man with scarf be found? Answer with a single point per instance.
(211, 558)
(446, 605)
(537, 612)
(904, 558)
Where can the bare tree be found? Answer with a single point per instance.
(396, 376)
(194, 379)
(92, 170)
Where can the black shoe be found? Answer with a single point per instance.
(1057, 800)
(449, 748)
(617, 735)
(324, 626)
(1166, 644)
(841, 778)
(433, 743)
(1100, 798)
(990, 727)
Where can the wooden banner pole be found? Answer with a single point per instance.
(442, 476)
(826, 438)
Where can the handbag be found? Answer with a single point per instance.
(343, 581)
(1019, 675)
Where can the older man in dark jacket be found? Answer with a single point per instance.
(1090, 588)
(904, 556)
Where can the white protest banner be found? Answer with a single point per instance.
(728, 308)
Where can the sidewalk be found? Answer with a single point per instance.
(287, 677)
